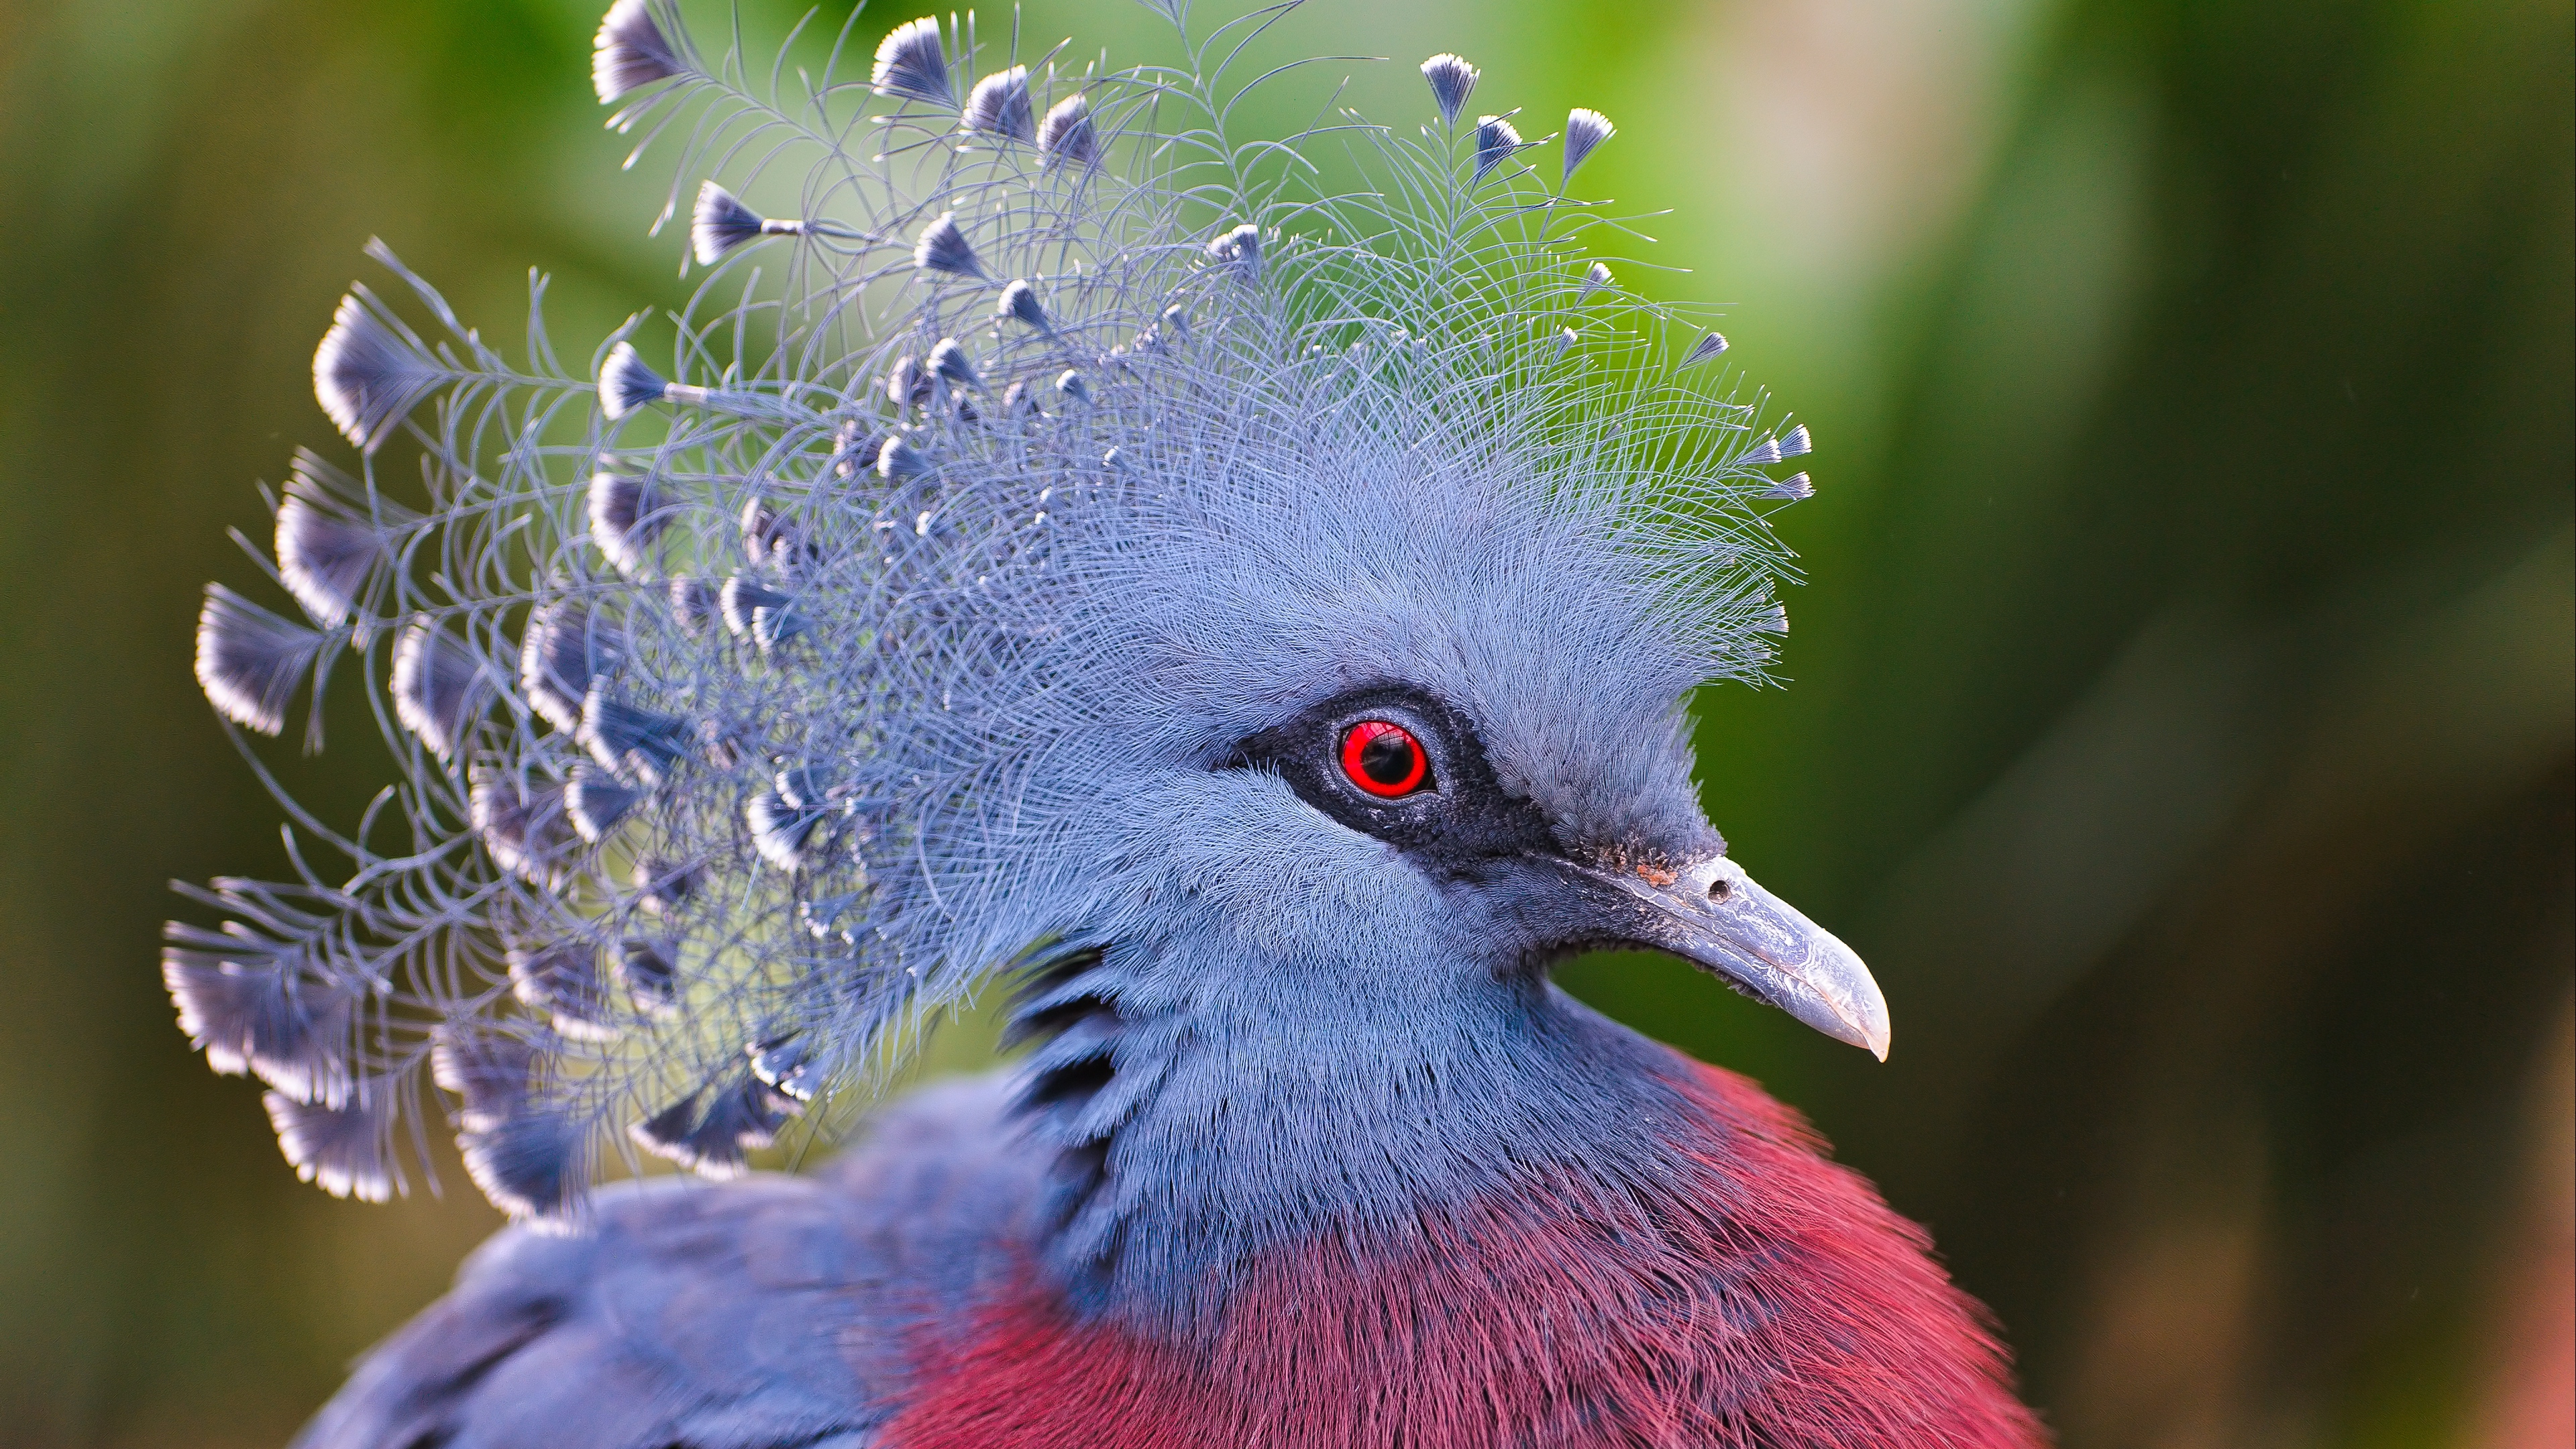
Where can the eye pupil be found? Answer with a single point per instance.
(1388, 758)
(1383, 758)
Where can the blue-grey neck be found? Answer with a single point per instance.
(1205, 1107)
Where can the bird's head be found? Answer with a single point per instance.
(1398, 717)
(1131, 544)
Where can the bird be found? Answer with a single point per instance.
(1231, 606)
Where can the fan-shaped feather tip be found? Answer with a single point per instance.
(912, 64)
(631, 51)
(532, 1165)
(1585, 130)
(999, 105)
(942, 247)
(367, 375)
(1065, 133)
(626, 516)
(627, 384)
(1497, 141)
(343, 1150)
(1452, 81)
(249, 661)
(439, 687)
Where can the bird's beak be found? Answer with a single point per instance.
(1714, 916)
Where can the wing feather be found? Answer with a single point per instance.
(772, 1312)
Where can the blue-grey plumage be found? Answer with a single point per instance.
(345, 1150)
(1111, 697)
(640, 744)
(651, 977)
(487, 1074)
(525, 829)
(256, 1004)
(899, 459)
(741, 597)
(1596, 277)
(1238, 252)
(594, 801)
(563, 984)
(1020, 303)
(566, 645)
(439, 684)
(949, 360)
(771, 1313)
(628, 383)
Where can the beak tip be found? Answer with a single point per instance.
(1857, 1003)
(1863, 1014)
(1877, 1031)
(1860, 1023)
(1870, 1033)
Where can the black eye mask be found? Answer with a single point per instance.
(1454, 820)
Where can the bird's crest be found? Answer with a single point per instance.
(757, 697)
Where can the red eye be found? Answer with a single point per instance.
(1383, 758)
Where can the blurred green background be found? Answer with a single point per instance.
(2182, 711)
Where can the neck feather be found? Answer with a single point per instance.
(1196, 1131)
